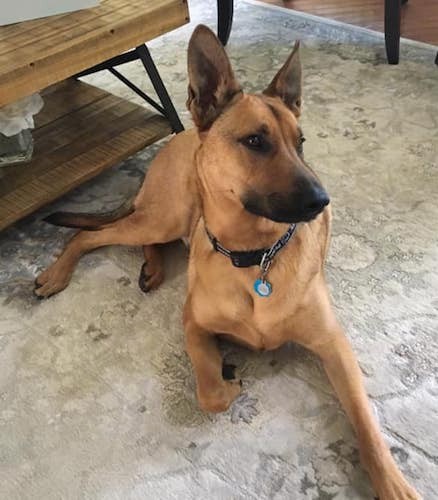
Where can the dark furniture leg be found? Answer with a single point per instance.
(392, 30)
(160, 89)
(166, 108)
(224, 19)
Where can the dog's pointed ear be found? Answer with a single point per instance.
(212, 84)
(287, 83)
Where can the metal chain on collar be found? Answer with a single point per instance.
(261, 257)
(268, 256)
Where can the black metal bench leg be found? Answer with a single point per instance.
(167, 109)
(224, 19)
(392, 30)
(160, 89)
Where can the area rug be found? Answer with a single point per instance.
(96, 393)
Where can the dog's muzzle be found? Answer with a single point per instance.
(301, 205)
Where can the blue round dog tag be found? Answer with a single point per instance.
(262, 288)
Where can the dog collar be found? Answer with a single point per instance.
(261, 257)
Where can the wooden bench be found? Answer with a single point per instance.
(82, 130)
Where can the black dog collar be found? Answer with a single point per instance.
(261, 257)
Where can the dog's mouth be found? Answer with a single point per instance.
(287, 207)
(309, 216)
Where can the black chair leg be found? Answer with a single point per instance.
(392, 30)
(436, 58)
(224, 19)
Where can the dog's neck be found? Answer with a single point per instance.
(232, 225)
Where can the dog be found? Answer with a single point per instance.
(258, 221)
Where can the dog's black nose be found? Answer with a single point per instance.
(316, 200)
(302, 203)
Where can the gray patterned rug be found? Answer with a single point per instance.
(96, 393)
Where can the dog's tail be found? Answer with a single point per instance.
(90, 221)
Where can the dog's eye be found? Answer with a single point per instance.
(256, 142)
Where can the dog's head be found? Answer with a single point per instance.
(252, 145)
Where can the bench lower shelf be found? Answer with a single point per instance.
(81, 131)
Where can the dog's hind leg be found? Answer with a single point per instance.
(163, 211)
(152, 271)
(137, 229)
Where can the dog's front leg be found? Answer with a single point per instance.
(214, 393)
(344, 373)
(318, 330)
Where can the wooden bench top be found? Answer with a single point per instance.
(36, 54)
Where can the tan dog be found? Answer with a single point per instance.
(239, 182)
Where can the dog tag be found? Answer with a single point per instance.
(263, 288)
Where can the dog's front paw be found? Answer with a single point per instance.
(390, 484)
(220, 399)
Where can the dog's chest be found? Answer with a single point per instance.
(223, 301)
